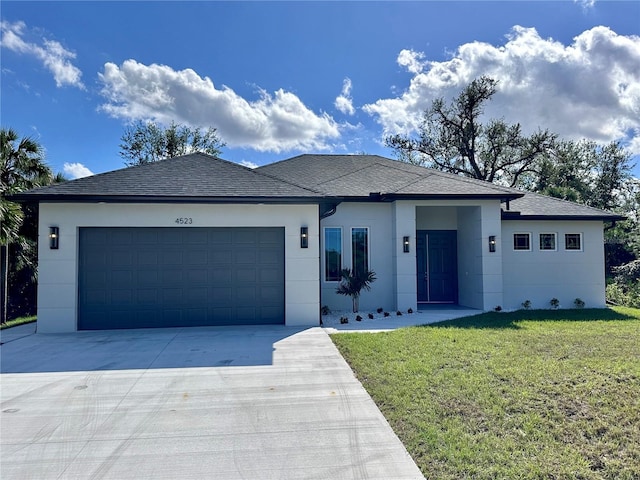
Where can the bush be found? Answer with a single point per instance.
(628, 273)
(624, 294)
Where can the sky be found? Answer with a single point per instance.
(278, 79)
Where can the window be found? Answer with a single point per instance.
(522, 241)
(547, 241)
(573, 241)
(360, 250)
(332, 254)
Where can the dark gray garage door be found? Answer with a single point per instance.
(167, 277)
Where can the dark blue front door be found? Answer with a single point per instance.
(436, 253)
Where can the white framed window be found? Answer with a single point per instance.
(332, 254)
(573, 241)
(360, 250)
(548, 242)
(522, 241)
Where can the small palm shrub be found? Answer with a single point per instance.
(353, 283)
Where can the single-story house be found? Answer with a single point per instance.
(196, 240)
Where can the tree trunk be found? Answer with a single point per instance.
(356, 303)
(5, 282)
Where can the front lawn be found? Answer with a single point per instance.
(527, 395)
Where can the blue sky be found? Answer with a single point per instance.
(282, 78)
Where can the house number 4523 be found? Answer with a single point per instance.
(184, 220)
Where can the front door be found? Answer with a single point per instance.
(436, 253)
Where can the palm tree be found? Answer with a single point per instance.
(22, 167)
(352, 284)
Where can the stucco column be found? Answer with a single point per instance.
(404, 225)
(492, 286)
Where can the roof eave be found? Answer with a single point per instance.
(61, 198)
(503, 197)
(601, 218)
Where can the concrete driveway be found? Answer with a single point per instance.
(216, 402)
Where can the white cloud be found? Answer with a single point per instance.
(248, 164)
(585, 4)
(51, 53)
(76, 170)
(588, 89)
(344, 102)
(274, 122)
(411, 60)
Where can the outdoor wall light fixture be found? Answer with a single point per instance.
(54, 238)
(304, 237)
(492, 243)
(405, 244)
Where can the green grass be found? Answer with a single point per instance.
(526, 395)
(17, 321)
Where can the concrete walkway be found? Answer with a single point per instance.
(223, 403)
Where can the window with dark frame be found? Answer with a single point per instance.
(360, 250)
(522, 241)
(573, 241)
(332, 254)
(547, 241)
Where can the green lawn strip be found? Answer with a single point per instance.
(529, 394)
(17, 321)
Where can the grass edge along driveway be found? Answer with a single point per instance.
(528, 394)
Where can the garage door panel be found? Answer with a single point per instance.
(245, 257)
(195, 257)
(269, 257)
(122, 277)
(146, 236)
(221, 257)
(269, 237)
(244, 274)
(99, 259)
(197, 296)
(268, 295)
(172, 256)
(160, 277)
(220, 236)
(170, 236)
(122, 298)
(171, 297)
(219, 275)
(171, 275)
(244, 236)
(245, 295)
(269, 274)
(197, 276)
(97, 297)
(120, 236)
(146, 278)
(147, 258)
(195, 236)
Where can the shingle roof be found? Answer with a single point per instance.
(193, 176)
(312, 178)
(534, 206)
(359, 175)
